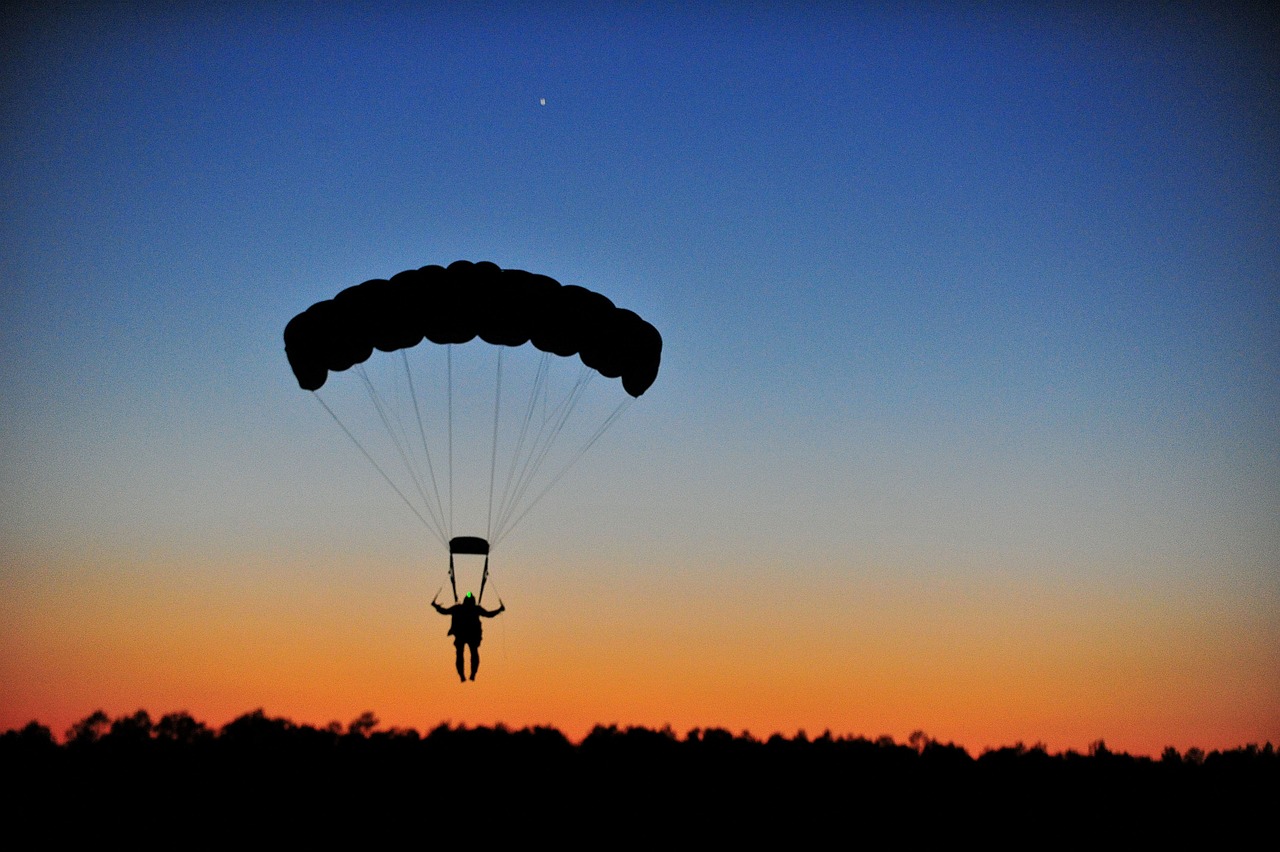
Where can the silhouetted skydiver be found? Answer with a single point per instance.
(465, 628)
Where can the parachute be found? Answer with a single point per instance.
(421, 312)
(508, 307)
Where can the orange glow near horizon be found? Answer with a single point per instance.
(976, 673)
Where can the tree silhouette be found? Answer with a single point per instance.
(258, 768)
(181, 728)
(363, 725)
(131, 730)
(89, 730)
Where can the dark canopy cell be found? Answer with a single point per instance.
(508, 307)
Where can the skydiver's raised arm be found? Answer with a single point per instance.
(490, 613)
(440, 609)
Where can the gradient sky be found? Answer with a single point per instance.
(967, 418)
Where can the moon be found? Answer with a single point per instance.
(542, 101)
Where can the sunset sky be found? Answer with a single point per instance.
(968, 418)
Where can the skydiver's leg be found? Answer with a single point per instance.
(458, 662)
(475, 659)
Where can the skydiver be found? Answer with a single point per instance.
(465, 627)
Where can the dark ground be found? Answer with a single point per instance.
(262, 779)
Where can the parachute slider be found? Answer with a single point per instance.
(469, 544)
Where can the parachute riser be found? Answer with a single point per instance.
(468, 545)
(453, 582)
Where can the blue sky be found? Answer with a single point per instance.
(958, 293)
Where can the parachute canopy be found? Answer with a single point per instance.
(474, 434)
(508, 307)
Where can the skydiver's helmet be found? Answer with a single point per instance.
(468, 599)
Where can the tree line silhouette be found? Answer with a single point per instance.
(265, 765)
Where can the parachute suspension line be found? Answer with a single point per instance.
(522, 460)
(541, 448)
(493, 455)
(539, 386)
(453, 583)
(400, 441)
(604, 427)
(422, 432)
(378, 467)
(449, 362)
